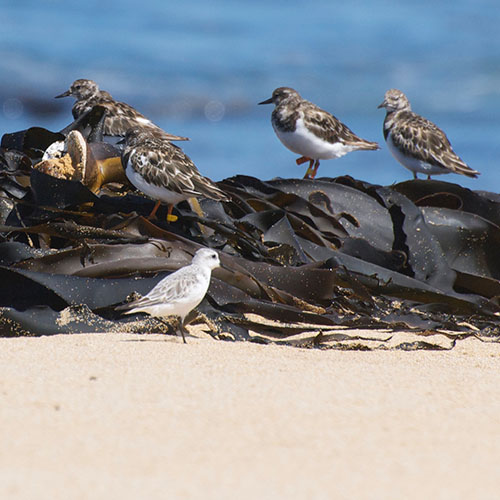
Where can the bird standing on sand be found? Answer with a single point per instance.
(311, 132)
(416, 142)
(120, 116)
(162, 171)
(180, 292)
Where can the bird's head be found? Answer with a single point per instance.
(81, 89)
(207, 257)
(281, 94)
(395, 100)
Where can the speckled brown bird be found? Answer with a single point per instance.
(416, 142)
(310, 131)
(120, 116)
(162, 171)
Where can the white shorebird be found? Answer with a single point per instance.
(310, 131)
(180, 292)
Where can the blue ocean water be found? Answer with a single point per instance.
(199, 69)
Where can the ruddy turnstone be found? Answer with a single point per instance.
(416, 142)
(162, 171)
(120, 116)
(311, 132)
(180, 292)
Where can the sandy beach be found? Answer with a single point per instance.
(125, 416)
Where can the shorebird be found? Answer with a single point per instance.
(311, 132)
(162, 171)
(416, 142)
(120, 116)
(180, 292)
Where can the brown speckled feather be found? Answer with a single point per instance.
(120, 117)
(327, 127)
(163, 164)
(418, 138)
(310, 131)
(321, 123)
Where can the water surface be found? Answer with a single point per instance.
(199, 69)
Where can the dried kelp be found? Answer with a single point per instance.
(306, 262)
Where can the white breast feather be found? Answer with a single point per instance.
(305, 143)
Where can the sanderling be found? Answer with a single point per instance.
(180, 292)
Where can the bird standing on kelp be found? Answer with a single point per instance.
(416, 142)
(311, 132)
(162, 171)
(120, 116)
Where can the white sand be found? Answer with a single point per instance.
(145, 417)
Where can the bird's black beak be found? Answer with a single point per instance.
(267, 101)
(381, 105)
(121, 141)
(64, 94)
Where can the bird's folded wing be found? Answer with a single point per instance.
(423, 140)
(174, 288)
(327, 127)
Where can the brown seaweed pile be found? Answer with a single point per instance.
(308, 260)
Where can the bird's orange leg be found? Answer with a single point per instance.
(155, 209)
(315, 169)
(170, 217)
(311, 172)
(302, 159)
